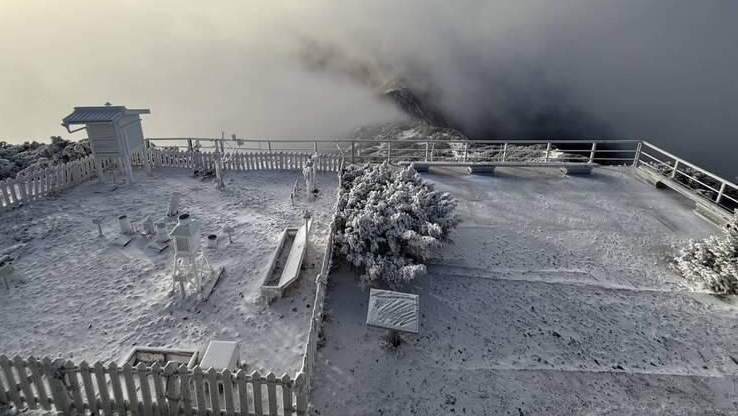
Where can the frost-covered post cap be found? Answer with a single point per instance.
(98, 221)
(228, 230)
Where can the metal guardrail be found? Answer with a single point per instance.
(696, 182)
(396, 150)
(721, 192)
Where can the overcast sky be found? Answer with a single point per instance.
(662, 70)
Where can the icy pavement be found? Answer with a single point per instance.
(75, 296)
(556, 298)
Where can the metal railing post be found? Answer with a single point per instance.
(426, 151)
(720, 193)
(315, 147)
(548, 150)
(504, 152)
(352, 152)
(189, 145)
(466, 151)
(674, 170)
(637, 156)
(389, 152)
(269, 145)
(592, 153)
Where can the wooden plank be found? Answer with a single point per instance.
(5, 194)
(272, 393)
(71, 371)
(256, 383)
(48, 370)
(23, 379)
(286, 394)
(171, 391)
(227, 381)
(159, 398)
(243, 393)
(56, 380)
(3, 393)
(212, 377)
(102, 388)
(143, 381)
(202, 406)
(185, 385)
(38, 382)
(90, 394)
(47, 180)
(34, 188)
(10, 378)
(133, 404)
(120, 402)
(20, 180)
(300, 396)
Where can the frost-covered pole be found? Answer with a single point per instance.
(310, 176)
(219, 170)
(98, 222)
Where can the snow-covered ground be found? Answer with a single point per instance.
(78, 297)
(556, 298)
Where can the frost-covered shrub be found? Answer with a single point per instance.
(18, 158)
(389, 221)
(713, 262)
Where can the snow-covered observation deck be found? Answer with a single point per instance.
(557, 291)
(714, 196)
(555, 297)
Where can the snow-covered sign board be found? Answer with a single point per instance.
(393, 310)
(114, 131)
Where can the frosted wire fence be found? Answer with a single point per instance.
(147, 390)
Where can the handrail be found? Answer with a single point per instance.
(629, 151)
(348, 140)
(684, 162)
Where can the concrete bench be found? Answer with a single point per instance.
(702, 206)
(570, 168)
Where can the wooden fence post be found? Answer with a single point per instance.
(184, 386)
(37, 376)
(102, 388)
(23, 379)
(243, 393)
(71, 373)
(256, 385)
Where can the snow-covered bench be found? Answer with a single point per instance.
(704, 207)
(286, 262)
(571, 168)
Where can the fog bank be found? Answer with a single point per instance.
(659, 70)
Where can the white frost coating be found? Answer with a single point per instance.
(393, 310)
(713, 262)
(389, 221)
(555, 298)
(119, 298)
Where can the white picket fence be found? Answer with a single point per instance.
(144, 390)
(238, 161)
(321, 286)
(31, 186)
